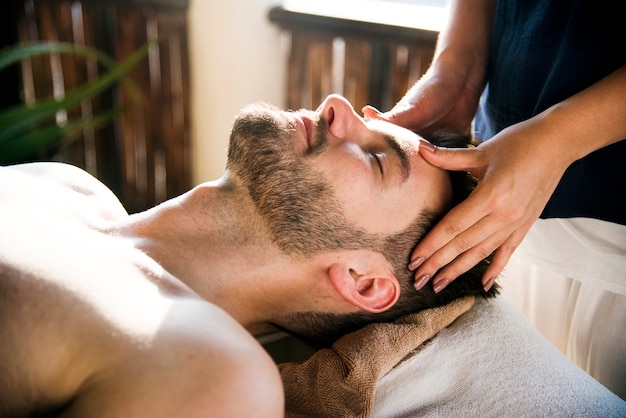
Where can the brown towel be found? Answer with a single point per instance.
(340, 381)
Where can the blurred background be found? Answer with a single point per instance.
(210, 59)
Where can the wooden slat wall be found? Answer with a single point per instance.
(144, 156)
(366, 63)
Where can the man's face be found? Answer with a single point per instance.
(312, 173)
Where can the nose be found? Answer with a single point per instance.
(343, 121)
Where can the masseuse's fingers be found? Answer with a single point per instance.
(455, 159)
(372, 113)
(470, 250)
(402, 114)
(431, 253)
(514, 184)
(502, 256)
(458, 242)
(517, 173)
(414, 116)
(434, 103)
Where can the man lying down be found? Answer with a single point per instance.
(309, 230)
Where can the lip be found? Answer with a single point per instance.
(305, 125)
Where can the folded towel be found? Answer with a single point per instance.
(340, 381)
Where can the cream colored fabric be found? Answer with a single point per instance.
(491, 363)
(569, 279)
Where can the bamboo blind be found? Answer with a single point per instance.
(365, 62)
(144, 155)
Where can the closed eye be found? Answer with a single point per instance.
(377, 159)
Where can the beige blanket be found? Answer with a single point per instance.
(340, 381)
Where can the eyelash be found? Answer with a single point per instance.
(375, 157)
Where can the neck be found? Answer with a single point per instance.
(211, 239)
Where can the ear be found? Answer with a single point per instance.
(367, 286)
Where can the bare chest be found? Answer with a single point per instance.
(72, 298)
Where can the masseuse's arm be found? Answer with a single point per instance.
(446, 97)
(517, 171)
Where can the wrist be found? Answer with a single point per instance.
(590, 119)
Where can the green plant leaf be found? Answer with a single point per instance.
(27, 144)
(19, 119)
(15, 53)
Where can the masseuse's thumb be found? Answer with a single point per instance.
(452, 159)
(403, 115)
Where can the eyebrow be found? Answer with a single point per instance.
(402, 155)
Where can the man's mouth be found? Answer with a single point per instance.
(306, 125)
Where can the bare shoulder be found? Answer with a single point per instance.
(143, 353)
(200, 363)
(87, 322)
(62, 173)
(68, 177)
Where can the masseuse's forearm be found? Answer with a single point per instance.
(468, 31)
(587, 121)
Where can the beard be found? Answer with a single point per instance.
(291, 196)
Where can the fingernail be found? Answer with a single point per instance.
(439, 286)
(378, 112)
(489, 283)
(421, 281)
(416, 263)
(427, 145)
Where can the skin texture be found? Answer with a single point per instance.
(151, 314)
(517, 170)
(91, 326)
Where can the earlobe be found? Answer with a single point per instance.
(371, 291)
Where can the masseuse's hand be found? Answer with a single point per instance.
(441, 99)
(517, 173)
